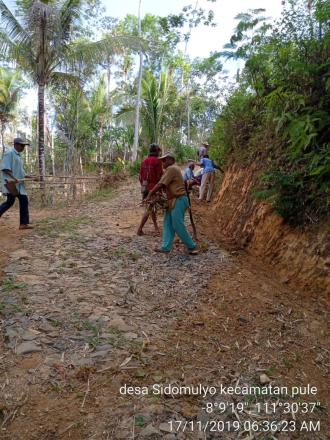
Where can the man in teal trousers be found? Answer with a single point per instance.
(173, 222)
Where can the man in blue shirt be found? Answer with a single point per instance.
(13, 176)
(189, 171)
(208, 178)
(189, 176)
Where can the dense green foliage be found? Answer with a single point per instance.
(85, 64)
(10, 86)
(279, 115)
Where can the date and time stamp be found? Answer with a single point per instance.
(281, 417)
(230, 410)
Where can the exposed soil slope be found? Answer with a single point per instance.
(300, 256)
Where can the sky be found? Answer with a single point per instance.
(204, 39)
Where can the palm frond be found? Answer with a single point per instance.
(6, 45)
(10, 90)
(124, 110)
(97, 51)
(11, 25)
(155, 98)
(58, 78)
(69, 12)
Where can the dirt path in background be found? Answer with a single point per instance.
(9, 242)
(11, 236)
(87, 307)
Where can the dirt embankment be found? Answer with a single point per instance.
(301, 256)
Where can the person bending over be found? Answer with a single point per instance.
(173, 222)
(189, 176)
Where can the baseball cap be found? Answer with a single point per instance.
(168, 154)
(21, 141)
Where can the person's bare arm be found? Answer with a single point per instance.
(10, 174)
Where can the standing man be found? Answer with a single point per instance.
(202, 151)
(13, 173)
(150, 173)
(208, 177)
(178, 203)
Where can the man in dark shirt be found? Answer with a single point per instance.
(150, 173)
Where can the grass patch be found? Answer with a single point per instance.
(55, 322)
(52, 226)
(222, 307)
(139, 420)
(87, 325)
(56, 387)
(116, 339)
(134, 256)
(9, 284)
(271, 370)
(94, 342)
(99, 195)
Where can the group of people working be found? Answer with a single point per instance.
(160, 173)
(205, 177)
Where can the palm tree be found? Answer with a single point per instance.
(156, 97)
(9, 96)
(155, 100)
(99, 114)
(42, 43)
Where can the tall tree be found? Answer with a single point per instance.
(138, 98)
(41, 40)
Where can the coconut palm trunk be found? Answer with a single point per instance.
(2, 139)
(41, 131)
(52, 154)
(138, 99)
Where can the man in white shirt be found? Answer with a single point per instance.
(208, 178)
(13, 176)
(203, 149)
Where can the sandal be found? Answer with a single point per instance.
(161, 251)
(193, 252)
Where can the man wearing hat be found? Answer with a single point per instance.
(178, 203)
(202, 150)
(13, 176)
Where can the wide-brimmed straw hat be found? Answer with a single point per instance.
(168, 154)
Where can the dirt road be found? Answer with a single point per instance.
(87, 307)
